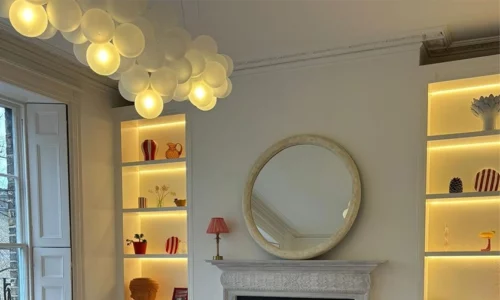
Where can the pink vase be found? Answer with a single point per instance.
(149, 149)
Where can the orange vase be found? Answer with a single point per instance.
(173, 151)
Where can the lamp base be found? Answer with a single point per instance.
(218, 257)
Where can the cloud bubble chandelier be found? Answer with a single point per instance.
(134, 42)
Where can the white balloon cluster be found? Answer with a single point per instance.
(134, 42)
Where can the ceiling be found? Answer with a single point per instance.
(258, 29)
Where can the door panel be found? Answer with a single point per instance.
(48, 174)
(52, 273)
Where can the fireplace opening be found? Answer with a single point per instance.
(283, 298)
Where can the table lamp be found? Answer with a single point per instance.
(217, 226)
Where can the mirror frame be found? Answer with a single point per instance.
(264, 158)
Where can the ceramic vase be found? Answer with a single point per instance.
(143, 289)
(489, 120)
(487, 180)
(172, 245)
(173, 151)
(486, 108)
(149, 149)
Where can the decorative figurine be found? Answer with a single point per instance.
(149, 149)
(456, 185)
(487, 180)
(140, 245)
(487, 235)
(143, 289)
(487, 108)
(173, 151)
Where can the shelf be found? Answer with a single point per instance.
(156, 166)
(154, 162)
(462, 254)
(481, 85)
(461, 140)
(154, 209)
(156, 256)
(157, 123)
(472, 196)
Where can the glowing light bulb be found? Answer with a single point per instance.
(28, 14)
(103, 56)
(148, 104)
(28, 19)
(201, 94)
(103, 59)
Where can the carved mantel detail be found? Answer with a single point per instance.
(300, 278)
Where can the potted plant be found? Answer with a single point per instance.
(140, 244)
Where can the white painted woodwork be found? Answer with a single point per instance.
(48, 174)
(52, 273)
(36, 75)
(463, 196)
(325, 279)
(462, 254)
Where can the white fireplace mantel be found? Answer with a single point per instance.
(328, 279)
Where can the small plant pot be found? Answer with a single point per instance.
(140, 247)
(180, 202)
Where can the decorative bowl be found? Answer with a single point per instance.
(180, 202)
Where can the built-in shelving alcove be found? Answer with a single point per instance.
(458, 147)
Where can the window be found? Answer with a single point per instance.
(13, 240)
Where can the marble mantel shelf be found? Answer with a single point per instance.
(329, 279)
(336, 266)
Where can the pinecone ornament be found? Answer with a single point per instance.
(456, 185)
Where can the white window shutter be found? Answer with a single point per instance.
(48, 174)
(52, 273)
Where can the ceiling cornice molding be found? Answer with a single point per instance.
(415, 39)
(39, 57)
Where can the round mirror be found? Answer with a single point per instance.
(302, 197)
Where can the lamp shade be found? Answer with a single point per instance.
(217, 225)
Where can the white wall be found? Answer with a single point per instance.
(98, 198)
(375, 107)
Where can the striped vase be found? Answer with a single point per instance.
(487, 180)
(149, 149)
(172, 245)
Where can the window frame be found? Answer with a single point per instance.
(25, 267)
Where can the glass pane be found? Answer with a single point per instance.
(11, 264)
(8, 211)
(7, 161)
